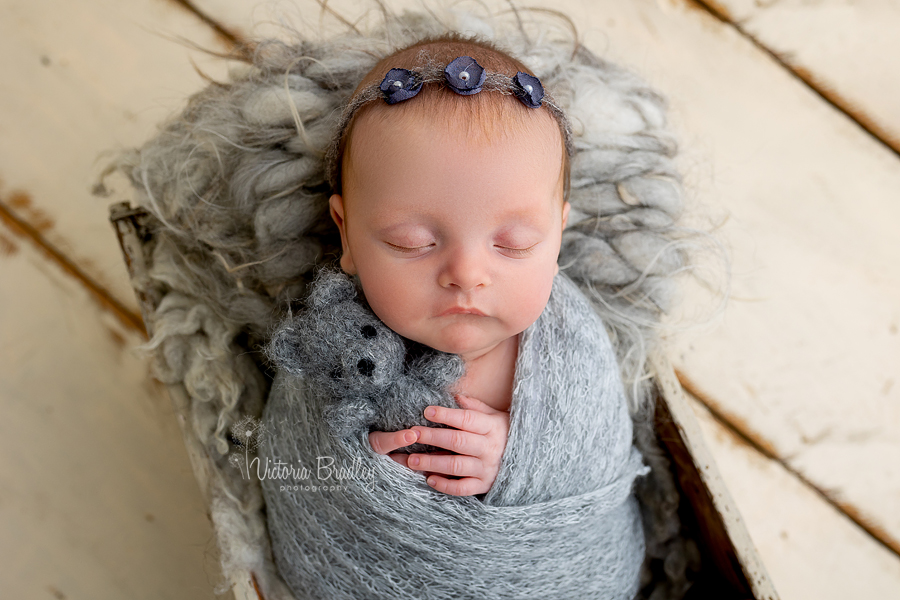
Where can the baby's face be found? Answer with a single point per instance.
(455, 242)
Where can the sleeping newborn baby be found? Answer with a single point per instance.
(451, 210)
(450, 177)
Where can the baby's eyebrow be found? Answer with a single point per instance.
(403, 224)
(526, 217)
(516, 217)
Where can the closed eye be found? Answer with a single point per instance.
(409, 249)
(518, 251)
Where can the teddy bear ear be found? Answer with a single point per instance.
(330, 287)
(285, 349)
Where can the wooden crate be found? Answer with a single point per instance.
(732, 567)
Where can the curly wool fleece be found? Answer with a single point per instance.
(560, 520)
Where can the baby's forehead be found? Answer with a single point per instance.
(431, 157)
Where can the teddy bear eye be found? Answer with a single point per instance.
(369, 332)
(365, 367)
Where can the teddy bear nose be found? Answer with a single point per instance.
(365, 367)
(369, 332)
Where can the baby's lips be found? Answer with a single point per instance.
(455, 310)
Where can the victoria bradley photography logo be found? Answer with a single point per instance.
(325, 475)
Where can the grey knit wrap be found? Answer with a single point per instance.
(560, 520)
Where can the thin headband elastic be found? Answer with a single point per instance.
(462, 75)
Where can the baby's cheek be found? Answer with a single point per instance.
(531, 301)
(395, 306)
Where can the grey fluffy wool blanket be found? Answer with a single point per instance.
(560, 520)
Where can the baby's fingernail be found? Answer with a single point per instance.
(430, 411)
(431, 481)
(414, 461)
(410, 437)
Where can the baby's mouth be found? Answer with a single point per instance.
(461, 310)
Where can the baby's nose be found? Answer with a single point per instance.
(464, 269)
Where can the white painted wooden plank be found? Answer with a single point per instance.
(97, 497)
(807, 352)
(850, 49)
(810, 549)
(679, 422)
(806, 356)
(80, 79)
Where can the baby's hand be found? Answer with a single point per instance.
(477, 444)
(384, 442)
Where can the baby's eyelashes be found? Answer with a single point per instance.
(509, 250)
(410, 249)
(518, 252)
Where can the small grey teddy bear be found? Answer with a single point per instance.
(365, 368)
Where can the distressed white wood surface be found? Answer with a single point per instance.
(97, 497)
(80, 79)
(810, 549)
(682, 425)
(806, 357)
(848, 48)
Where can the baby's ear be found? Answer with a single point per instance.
(336, 207)
(329, 289)
(565, 214)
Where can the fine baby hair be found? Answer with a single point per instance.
(238, 186)
(463, 76)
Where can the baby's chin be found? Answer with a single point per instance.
(470, 347)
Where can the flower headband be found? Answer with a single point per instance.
(462, 75)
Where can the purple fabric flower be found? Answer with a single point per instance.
(465, 76)
(528, 89)
(399, 85)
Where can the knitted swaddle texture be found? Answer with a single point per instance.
(559, 521)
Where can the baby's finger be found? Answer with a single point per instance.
(384, 442)
(468, 486)
(461, 418)
(461, 442)
(457, 465)
(400, 457)
(475, 404)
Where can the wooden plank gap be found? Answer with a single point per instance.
(825, 92)
(24, 230)
(742, 432)
(228, 36)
